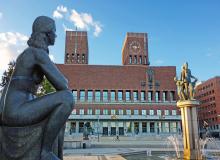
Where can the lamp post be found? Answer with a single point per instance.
(98, 127)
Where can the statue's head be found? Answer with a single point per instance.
(43, 32)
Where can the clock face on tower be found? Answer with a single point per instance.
(135, 47)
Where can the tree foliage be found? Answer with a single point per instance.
(7, 74)
(44, 88)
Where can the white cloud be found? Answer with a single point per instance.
(85, 21)
(61, 8)
(11, 45)
(59, 12)
(1, 15)
(82, 21)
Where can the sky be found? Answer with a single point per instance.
(178, 31)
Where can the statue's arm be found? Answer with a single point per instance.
(51, 72)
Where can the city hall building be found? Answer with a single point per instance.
(134, 98)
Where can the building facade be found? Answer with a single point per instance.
(129, 99)
(208, 93)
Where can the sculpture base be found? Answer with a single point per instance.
(192, 154)
(190, 129)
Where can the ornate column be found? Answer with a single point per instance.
(190, 129)
(140, 128)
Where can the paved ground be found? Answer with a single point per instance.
(107, 157)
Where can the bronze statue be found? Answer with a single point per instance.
(185, 86)
(31, 125)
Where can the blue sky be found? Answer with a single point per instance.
(178, 31)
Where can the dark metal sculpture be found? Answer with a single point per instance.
(33, 128)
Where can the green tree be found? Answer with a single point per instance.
(7, 74)
(44, 88)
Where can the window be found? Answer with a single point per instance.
(144, 112)
(82, 95)
(157, 96)
(83, 58)
(105, 111)
(144, 127)
(151, 112)
(90, 96)
(120, 96)
(167, 112)
(78, 58)
(173, 127)
(140, 59)
(165, 98)
(143, 96)
(81, 111)
(97, 96)
(136, 112)
(120, 112)
(173, 112)
(135, 95)
(112, 95)
(159, 112)
(172, 96)
(128, 95)
(130, 59)
(112, 111)
(75, 95)
(89, 111)
(128, 112)
(74, 112)
(165, 127)
(145, 60)
(105, 96)
(97, 111)
(149, 95)
(81, 127)
(135, 59)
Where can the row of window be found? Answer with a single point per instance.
(76, 57)
(124, 112)
(207, 107)
(205, 87)
(122, 95)
(137, 59)
(208, 100)
(205, 94)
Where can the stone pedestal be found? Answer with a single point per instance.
(190, 129)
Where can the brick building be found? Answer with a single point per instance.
(132, 98)
(208, 93)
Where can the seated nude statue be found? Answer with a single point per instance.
(19, 107)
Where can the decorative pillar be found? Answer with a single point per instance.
(148, 127)
(140, 128)
(190, 129)
(132, 127)
(77, 127)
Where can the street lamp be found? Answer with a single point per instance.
(98, 127)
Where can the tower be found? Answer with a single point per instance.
(135, 49)
(76, 47)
